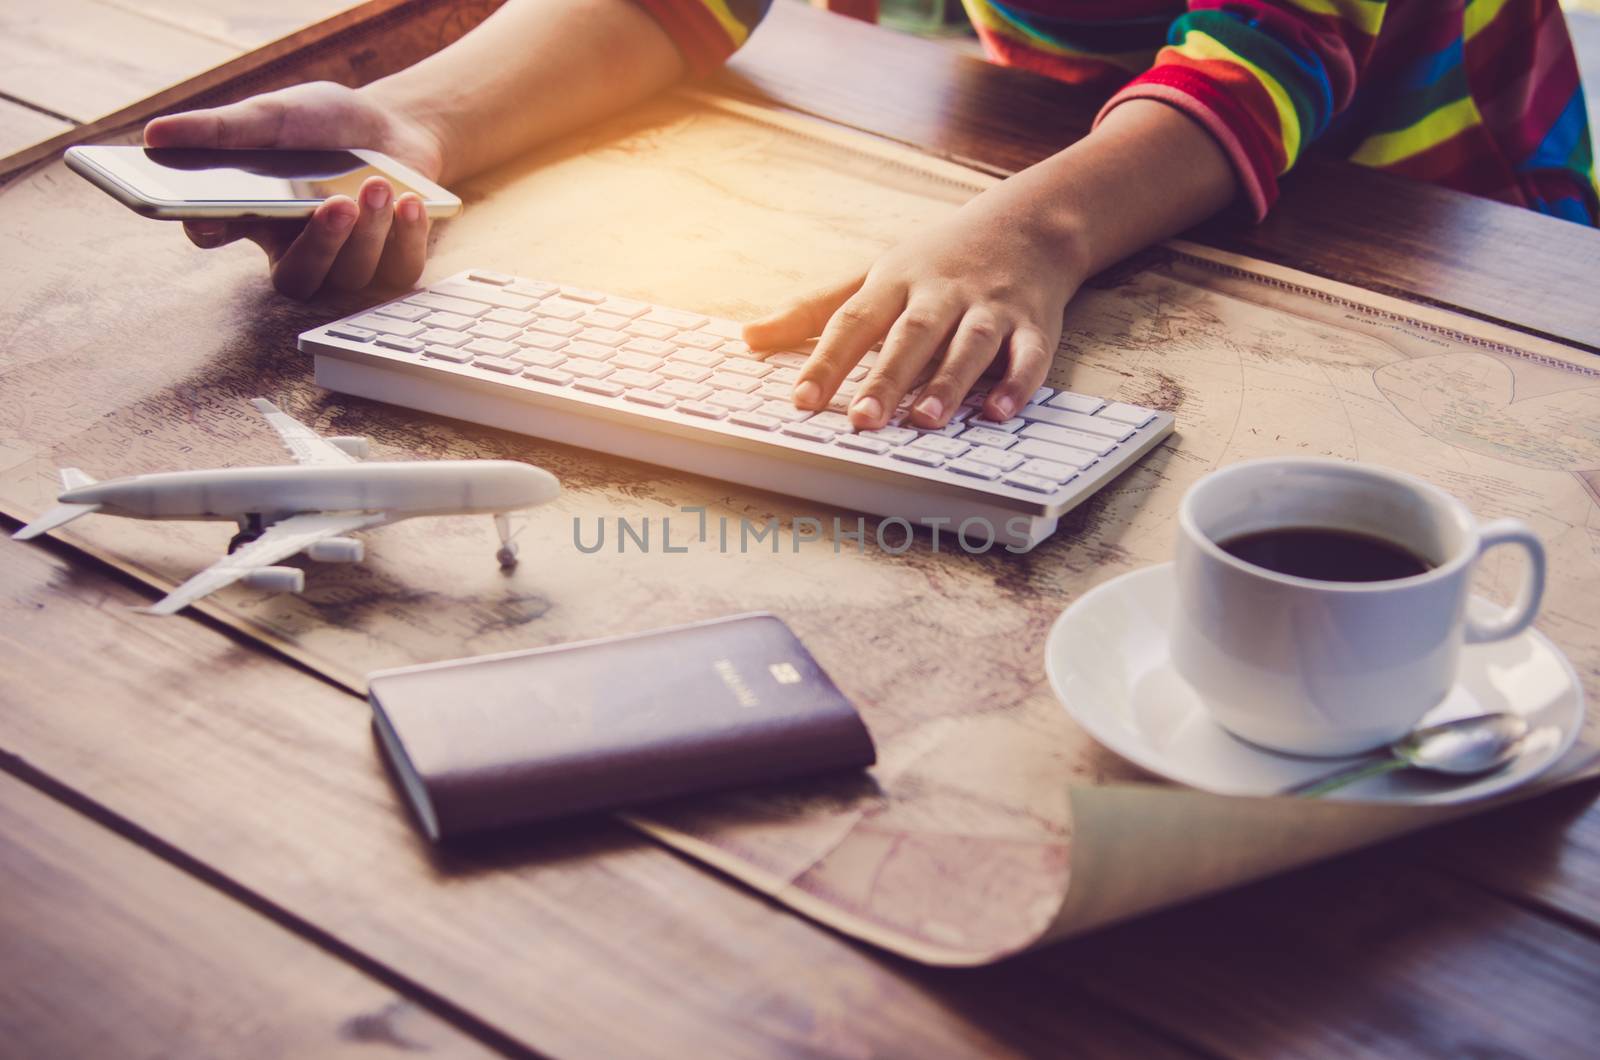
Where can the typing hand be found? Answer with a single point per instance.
(988, 284)
(346, 244)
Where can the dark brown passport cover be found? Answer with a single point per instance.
(531, 735)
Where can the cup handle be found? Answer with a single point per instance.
(1519, 616)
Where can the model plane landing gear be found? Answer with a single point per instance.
(250, 528)
(506, 555)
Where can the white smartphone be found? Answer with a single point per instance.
(194, 184)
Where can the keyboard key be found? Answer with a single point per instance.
(1003, 459)
(599, 318)
(986, 436)
(553, 376)
(654, 398)
(783, 375)
(925, 457)
(760, 421)
(1011, 426)
(540, 340)
(680, 388)
(514, 317)
(690, 373)
(561, 309)
(692, 356)
(1132, 415)
(786, 412)
(401, 311)
(646, 329)
(701, 340)
(946, 447)
(583, 366)
(488, 295)
(491, 348)
(808, 432)
(625, 308)
(446, 337)
(351, 332)
(1061, 454)
(632, 377)
(728, 381)
(856, 373)
(1032, 483)
(556, 326)
(542, 358)
(1045, 432)
(599, 386)
(776, 391)
(676, 318)
(973, 469)
(503, 332)
(832, 421)
(700, 408)
(863, 443)
(604, 336)
(1070, 402)
(625, 358)
(734, 348)
(653, 347)
(592, 350)
(787, 359)
(1061, 473)
(449, 321)
(500, 364)
(1041, 395)
(499, 279)
(532, 288)
(388, 326)
(733, 400)
(753, 369)
(446, 353)
(580, 294)
(404, 345)
(728, 329)
(892, 435)
(1077, 421)
(432, 300)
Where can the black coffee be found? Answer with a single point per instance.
(1326, 555)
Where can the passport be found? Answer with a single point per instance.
(527, 736)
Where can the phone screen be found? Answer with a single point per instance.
(199, 174)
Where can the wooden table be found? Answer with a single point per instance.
(147, 906)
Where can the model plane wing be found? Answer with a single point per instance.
(303, 443)
(279, 542)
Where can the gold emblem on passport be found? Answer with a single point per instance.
(784, 673)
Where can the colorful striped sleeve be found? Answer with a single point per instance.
(1265, 77)
(707, 31)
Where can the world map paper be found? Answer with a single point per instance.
(992, 822)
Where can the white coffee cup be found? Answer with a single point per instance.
(1324, 667)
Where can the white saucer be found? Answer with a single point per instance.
(1108, 661)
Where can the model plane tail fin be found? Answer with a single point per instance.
(61, 514)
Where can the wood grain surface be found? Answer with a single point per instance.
(257, 785)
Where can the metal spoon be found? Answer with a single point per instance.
(1464, 747)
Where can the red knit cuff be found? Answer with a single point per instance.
(700, 38)
(1239, 136)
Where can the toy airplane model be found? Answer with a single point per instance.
(310, 508)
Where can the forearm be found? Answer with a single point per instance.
(1145, 173)
(533, 70)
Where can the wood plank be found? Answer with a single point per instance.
(22, 127)
(1334, 219)
(109, 56)
(1368, 956)
(106, 950)
(584, 939)
(243, 24)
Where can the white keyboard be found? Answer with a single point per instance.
(678, 388)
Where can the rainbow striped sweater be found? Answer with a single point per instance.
(1478, 95)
